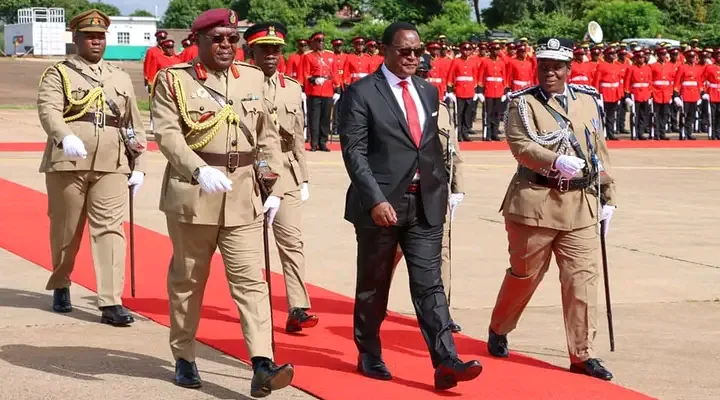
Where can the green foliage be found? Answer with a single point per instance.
(107, 9)
(622, 19)
(141, 13)
(545, 25)
(180, 14)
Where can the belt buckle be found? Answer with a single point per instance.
(563, 185)
(233, 160)
(99, 119)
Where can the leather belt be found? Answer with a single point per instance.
(231, 160)
(413, 188)
(109, 120)
(561, 185)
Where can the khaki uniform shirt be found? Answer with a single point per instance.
(446, 125)
(535, 205)
(105, 146)
(180, 94)
(284, 99)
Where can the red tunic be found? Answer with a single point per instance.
(463, 77)
(638, 81)
(607, 81)
(319, 64)
(357, 66)
(521, 74)
(189, 53)
(688, 82)
(492, 75)
(711, 76)
(149, 63)
(663, 80)
(582, 73)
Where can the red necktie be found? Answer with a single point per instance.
(412, 114)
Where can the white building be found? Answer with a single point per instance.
(128, 38)
(39, 30)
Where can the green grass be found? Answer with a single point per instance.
(143, 105)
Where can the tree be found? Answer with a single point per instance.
(180, 14)
(107, 9)
(622, 19)
(142, 13)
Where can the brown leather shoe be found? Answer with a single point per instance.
(298, 319)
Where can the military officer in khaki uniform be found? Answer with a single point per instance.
(283, 96)
(552, 205)
(88, 109)
(212, 125)
(447, 130)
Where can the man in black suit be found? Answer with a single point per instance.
(398, 195)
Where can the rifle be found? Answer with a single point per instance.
(451, 157)
(265, 181)
(633, 120)
(710, 118)
(485, 121)
(606, 278)
(652, 118)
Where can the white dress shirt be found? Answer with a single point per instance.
(394, 82)
(397, 90)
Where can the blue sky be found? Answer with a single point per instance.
(128, 6)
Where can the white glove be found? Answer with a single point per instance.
(271, 206)
(678, 101)
(135, 181)
(74, 147)
(336, 97)
(319, 81)
(599, 102)
(211, 180)
(629, 102)
(503, 98)
(568, 166)
(455, 200)
(706, 96)
(606, 215)
(303, 96)
(479, 97)
(699, 102)
(451, 96)
(304, 192)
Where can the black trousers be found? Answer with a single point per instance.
(674, 120)
(642, 117)
(662, 118)
(611, 114)
(421, 245)
(704, 116)
(495, 111)
(319, 120)
(715, 118)
(690, 108)
(335, 114)
(621, 113)
(465, 118)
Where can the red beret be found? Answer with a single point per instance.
(214, 18)
(161, 34)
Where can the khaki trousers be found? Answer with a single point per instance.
(445, 257)
(288, 237)
(531, 249)
(241, 250)
(98, 198)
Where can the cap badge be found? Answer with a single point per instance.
(553, 44)
(271, 31)
(233, 17)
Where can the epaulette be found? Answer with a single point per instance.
(244, 64)
(179, 66)
(329, 51)
(518, 93)
(587, 89)
(42, 77)
(287, 78)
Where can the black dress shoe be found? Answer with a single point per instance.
(116, 315)
(497, 345)
(691, 137)
(455, 328)
(299, 319)
(450, 372)
(186, 374)
(496, 139)
(61, 300)
(324, 149)
(268, 376)
(592, 367)
(373, 367)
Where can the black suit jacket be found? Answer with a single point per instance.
(380, 155)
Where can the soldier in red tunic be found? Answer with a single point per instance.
(493, 87)
(711, 76)
(190, 51)
(318, 74)
(521, 72)
(439, 69)
(357, 63)
(150, 55)
(340, 59)
(463, 83)
(293, 63)
(688, 83)
(607, 82)
(581, 72)
(663, 79)
(638, 92)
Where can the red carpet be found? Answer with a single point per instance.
(464, 146)
(324, 357)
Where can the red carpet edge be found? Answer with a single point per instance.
(324, 356)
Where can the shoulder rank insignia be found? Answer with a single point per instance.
(289, 79)
(587, 89)
(518, 93)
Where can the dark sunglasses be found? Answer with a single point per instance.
(221, 38)
(406, 52)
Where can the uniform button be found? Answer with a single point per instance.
(230, 102)
(202, 108)
(234, 143)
